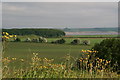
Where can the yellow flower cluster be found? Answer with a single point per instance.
(22, 60)
(103, 61)
(52, 66)
(6, 36)
(13, 58)
(6, 60)
(48, 60)
(91, 62)
(89, 51)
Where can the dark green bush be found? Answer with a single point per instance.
(42, 40)
(76, 41)
(86, 42)
(60, 41)
(17, 40)
(28, 40)
(109, 49)
(35, 40)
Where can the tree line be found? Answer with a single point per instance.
(39, 32)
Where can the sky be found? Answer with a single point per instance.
(60, 0)
(59, 14)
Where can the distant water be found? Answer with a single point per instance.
(91, 33)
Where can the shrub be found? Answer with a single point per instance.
(35, 40)
(52, 42)
(109, 49)
(76, 41)
(42, 40)
(17, 40)
(60, 41)
(28, 40)
(86, 42)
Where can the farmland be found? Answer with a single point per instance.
(60, 40)
(50, 58)
(23, 49)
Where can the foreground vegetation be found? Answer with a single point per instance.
(17, 58)
(69, 68)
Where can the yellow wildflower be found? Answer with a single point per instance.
(15, 35)
(88, 55)
(80, 60)
(97, 58)
(10, 36)
(13, 58)
(22, 60)
(100, 60)
(7, 37)
(86, 58)
(7, 33)
(3, 32)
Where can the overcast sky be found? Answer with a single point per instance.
(59, 14)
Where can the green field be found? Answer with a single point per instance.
(48, 50)
(68, 37)
(23, 52)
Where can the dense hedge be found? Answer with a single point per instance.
(40, 32)
(109, 49)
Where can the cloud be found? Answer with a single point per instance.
(60, 1)
(60, 14)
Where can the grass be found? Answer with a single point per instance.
(45, 68)
(22, 51)
(67, 37)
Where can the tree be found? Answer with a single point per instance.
(39, 32)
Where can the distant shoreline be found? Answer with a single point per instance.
(92, 33)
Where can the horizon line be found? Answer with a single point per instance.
(55, 28)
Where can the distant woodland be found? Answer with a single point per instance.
(39, 32)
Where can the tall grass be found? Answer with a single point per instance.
(83, 67)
